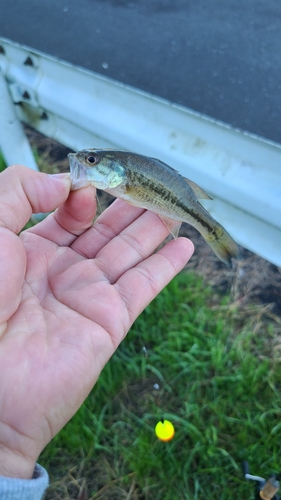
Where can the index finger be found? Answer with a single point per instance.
(71, 219)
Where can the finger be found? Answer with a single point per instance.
(131, 246)
(71, 219)
(140, 285)
(109, 224)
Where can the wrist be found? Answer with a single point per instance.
(15, 465)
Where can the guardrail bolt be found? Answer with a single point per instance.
(28, 61)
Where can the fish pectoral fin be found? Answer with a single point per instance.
(199, 192)
(172, 225)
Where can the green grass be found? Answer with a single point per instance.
(2, 163)
(219, 385)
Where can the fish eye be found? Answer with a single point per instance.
(92, 159)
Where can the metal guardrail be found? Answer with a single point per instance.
(81, 109)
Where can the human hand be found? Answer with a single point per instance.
(69, 292)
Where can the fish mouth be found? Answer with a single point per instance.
(78, 173)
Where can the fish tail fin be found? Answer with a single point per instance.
(223, 245)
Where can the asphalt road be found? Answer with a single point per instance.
(219, 57)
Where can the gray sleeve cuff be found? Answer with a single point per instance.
(25, 489)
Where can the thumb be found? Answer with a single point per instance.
(12, 272)
(24, 191)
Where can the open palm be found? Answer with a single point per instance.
(69, 292)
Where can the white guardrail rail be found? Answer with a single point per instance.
(81, 109)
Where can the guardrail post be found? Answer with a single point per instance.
(14, 144)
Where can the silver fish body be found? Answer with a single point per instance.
(151, 184)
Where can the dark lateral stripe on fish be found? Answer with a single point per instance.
(166, 195)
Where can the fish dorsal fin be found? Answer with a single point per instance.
(172, 225)
(164, 165)
(199, 192)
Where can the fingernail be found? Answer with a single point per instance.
(64, 175)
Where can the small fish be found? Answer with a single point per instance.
(149, 183)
